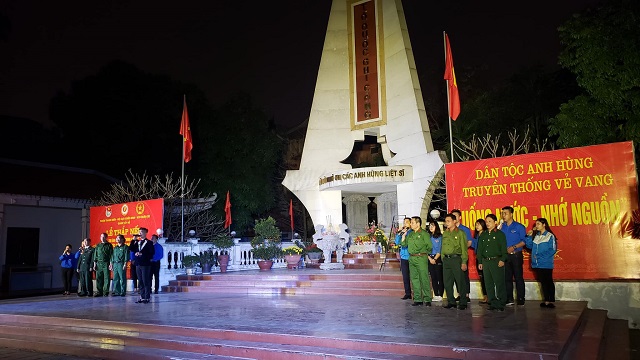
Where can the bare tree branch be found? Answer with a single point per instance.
(198, 208)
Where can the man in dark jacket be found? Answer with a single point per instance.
(143, 253)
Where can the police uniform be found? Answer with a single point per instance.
(119, 260)
(85, 266)
(101, 257)
(454, 254)
(419, 245)
(492, 248)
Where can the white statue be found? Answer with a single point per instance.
(329, 242)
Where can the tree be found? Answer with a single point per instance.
(240, 151)
(199, 214)
(602, 48)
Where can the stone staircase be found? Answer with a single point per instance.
(117, 340)
(293, 282)
(370, 261)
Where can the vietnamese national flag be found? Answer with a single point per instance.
(227, 212)
(450, 76)
(185, 131)
(291, 212)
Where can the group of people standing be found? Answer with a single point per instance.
(104, 258)
(435, 259)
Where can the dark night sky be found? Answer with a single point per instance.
(270, 49)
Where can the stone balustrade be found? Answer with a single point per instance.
(240, 257)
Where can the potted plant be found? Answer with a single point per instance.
(266, 253)
(266, 242)
(224, 242)
(292, 254)
(314, 253)
(189, 262)
(206, 260)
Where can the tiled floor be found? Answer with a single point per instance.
(521, 328)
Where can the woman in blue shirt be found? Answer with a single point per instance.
(435, 260)
(543, 245)
(68, 266)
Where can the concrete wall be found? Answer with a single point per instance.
(621, 299)
(58, 227)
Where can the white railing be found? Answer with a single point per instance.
(240, 257)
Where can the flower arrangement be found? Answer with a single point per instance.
(292, 250)
(376, 234)
(393, 248)
(313, 248)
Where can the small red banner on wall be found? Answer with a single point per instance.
(125, 219)
(588, 195)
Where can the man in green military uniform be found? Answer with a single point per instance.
(418, 242)
(85, 266)
(492, 254)
(454, 262)
(118, 265)
(101, 259)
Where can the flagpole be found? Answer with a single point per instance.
(444, 39)
(182, 181)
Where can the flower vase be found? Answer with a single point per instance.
(314, 257)
(224, 262)
(265, 265)
(292, 261)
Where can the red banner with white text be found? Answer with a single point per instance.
(125, 219)
(588, 195)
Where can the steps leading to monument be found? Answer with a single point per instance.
(382, 284)
(370, 261)
(116, 340)
(594, 336)
(598, 338)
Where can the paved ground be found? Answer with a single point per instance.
(521, 328)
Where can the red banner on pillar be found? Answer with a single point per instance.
(588, 195)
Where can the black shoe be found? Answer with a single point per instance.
(427, 303)
(417, 303)
(500, 309)
(520, 302)
(462, 307)
(105, 295)
(468, 299)
(140, 301)
(450, 306)
(406, 297)
(82, 295)
(97, 295)
(145, 301)
(542, 305)
(123, 295)
(155, 292)
(550, 306)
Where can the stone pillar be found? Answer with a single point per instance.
(357, 213)
(387, 208)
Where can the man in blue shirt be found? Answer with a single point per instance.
(467, 233)
(515, 233)
(155, 262)
(404, 258)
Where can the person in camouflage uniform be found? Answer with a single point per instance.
(101, 259)
(85, 266)
(118, 265)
